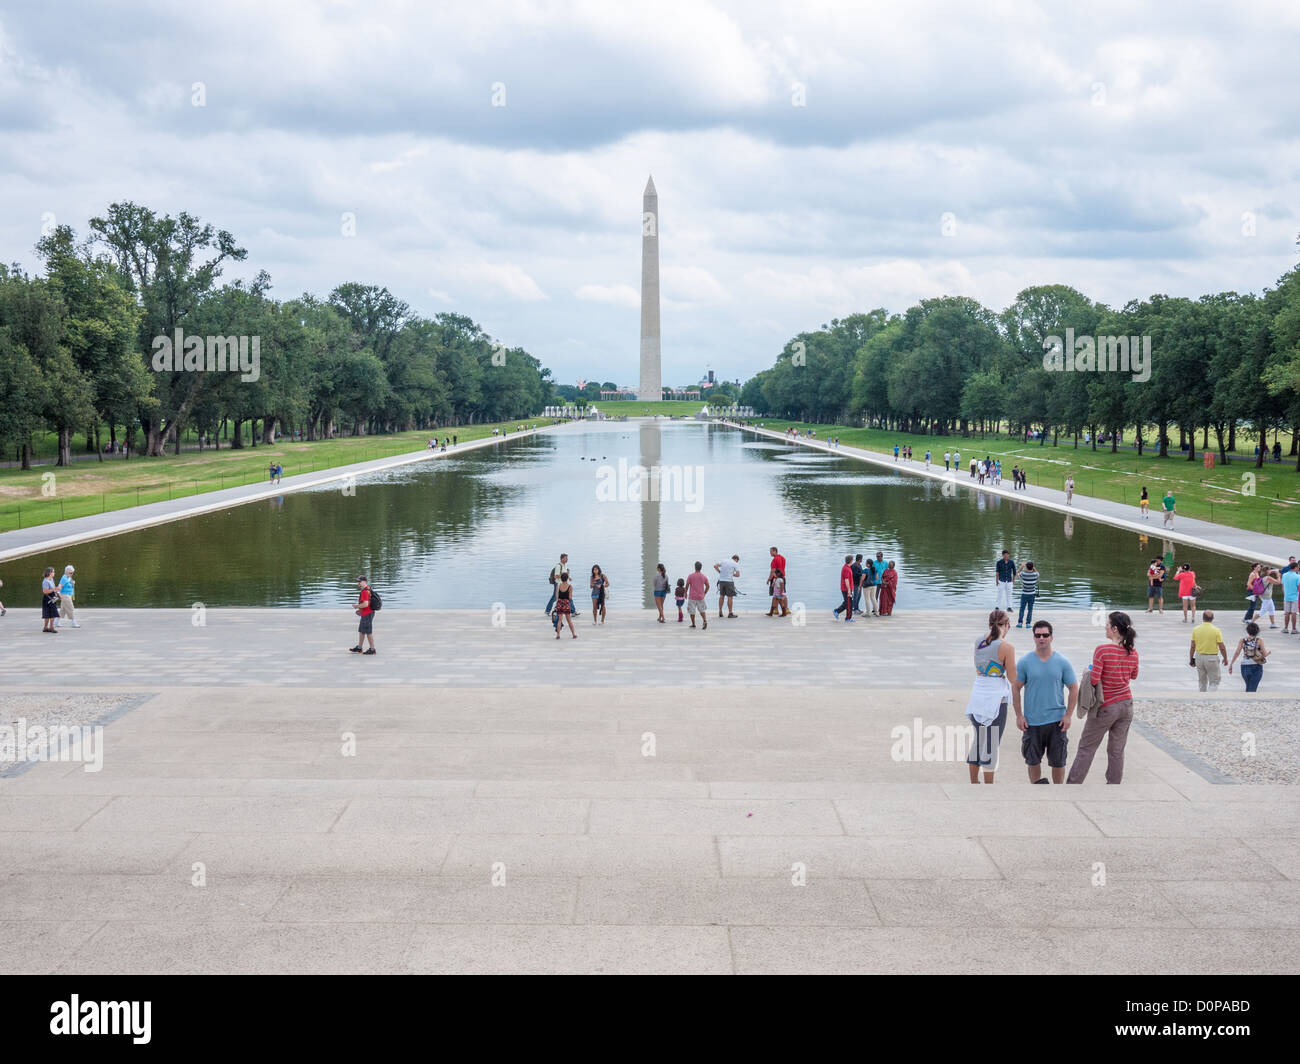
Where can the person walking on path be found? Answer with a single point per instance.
(564, 605)
(1041, 677)
(1252, 668)
(1290, 597)
(888, 591)
(846, 590)
(680, 597)
(1156, 572)
(871, 584)
(67, 592)
(1255, 588)
(1272, 578)
(366, 626)
(778, 595)
(895, 452)
(1069, 490)
(1205, 652)
(1004, 577)
(697, 590)
(995, 672)
(947, 459)
(49, 602)
(600, 584)
(1029, 575)
(727, 572)
(778, 562)
(927, 458)
(1170, 508)
(1144, 504)
(1114, 664)
(660, 590)
(1185, 578)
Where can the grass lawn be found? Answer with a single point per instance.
(1221, 494)
(92, 487)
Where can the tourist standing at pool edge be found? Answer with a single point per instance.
(778, 562)
(888, 590)
(697, 590)
(564, 605)
(1045, 719)
(1290, 597)
(1028, 593)
(49, 602)
(600, 583)
(995, 671)
(727, 572)
(1004, 577)
(67, 593)
(366, 626)
(1156, 573)
(660, 589)
(1185, 578)
(1114, 664)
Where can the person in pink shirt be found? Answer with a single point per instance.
(697, 587)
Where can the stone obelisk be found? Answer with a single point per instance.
(650, 388)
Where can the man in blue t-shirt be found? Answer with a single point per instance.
(1041, 677)
(1290, 597)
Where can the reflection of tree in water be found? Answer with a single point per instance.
(950, 544)
(300, 550)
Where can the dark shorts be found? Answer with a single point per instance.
(1155, 591)
(367, 624)
(661, 594)
(726, 589)
(1045, 738)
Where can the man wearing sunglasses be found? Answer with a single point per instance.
(1041, 677)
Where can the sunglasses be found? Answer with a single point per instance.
(1042, 635)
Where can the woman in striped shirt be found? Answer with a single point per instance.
(1028, 589)
(1113, 664)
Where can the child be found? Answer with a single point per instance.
(778, 593)
(679, 594)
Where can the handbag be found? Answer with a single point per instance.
(1197, 591)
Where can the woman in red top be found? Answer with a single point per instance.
(1185, 578)
(1113, 665)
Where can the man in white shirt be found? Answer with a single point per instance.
(727, 573)
(561, 567)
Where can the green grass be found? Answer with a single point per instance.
(1212, 495)
(90, 487)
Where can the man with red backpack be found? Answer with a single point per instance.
(367, 603)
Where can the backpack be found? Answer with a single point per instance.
(376, 603)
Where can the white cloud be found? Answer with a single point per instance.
(619, 295)
(505, 277)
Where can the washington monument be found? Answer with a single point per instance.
(651, 388)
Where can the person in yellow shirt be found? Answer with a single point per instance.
(1206, 651)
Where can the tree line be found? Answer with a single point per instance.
(1224, 364)
(81, 347)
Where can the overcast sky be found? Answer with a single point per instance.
(806, 154)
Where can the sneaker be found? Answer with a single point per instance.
(356, 649)
(1042, 779)
(370, 651)
(1019, 625)
(76, 624)
(849, 620)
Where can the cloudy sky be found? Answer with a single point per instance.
(812, 159)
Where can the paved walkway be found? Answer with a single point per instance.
(123, 648)
(643, 799)
(1238, 542)
(39, 538)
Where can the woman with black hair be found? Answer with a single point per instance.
(599, 585)
(564, 605)
(1114, 663)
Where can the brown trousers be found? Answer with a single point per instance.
(1114, 721)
